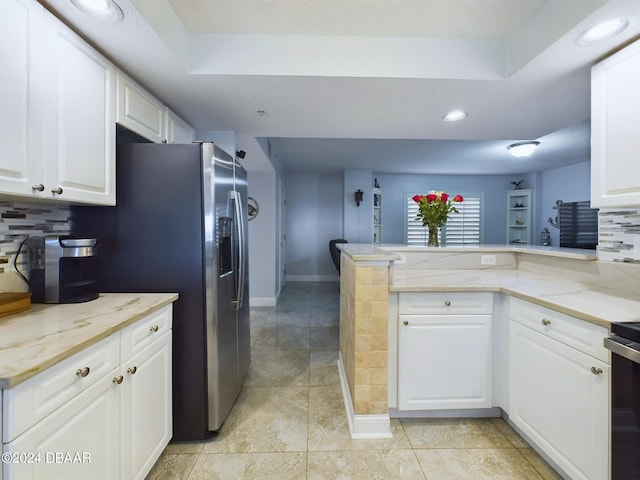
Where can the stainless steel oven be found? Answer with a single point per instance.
(624, 344)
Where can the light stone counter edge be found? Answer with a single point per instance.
(33, 341)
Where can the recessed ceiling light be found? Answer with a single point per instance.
(105, 10)
(604, 31)
(454, 116)
(523, 149)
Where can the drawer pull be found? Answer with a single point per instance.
(154, 328)
(57, 191)
(119, 379)
(546, 322)
(132, 370)
(596, 371)
(38, 187)
(447, 303)
(405, 322)
(83, 372)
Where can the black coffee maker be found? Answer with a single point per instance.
(62, 269)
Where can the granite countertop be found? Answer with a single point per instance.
(35, 340)
(594, 304)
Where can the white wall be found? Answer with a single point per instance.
(569, 184)
(314, 216)
(263, 240)
(226, 140)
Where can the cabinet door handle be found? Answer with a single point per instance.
(83, 372)
(38, 187)
(447, 303)
(132, 370)
(546, 322)
(596, 371)
(119, 379)
(405, 322)
(154, 328)
(57, 191)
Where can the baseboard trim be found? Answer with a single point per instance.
(262, 301)
(494, 412)
(362, 427)
(313, 278)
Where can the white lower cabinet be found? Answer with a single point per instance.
(444, 362)
(146, 408)
(444, 356)
(102, 413)
(558, 394)
(80, 440)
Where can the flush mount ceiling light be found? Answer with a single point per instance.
(604, 31)
(522, 149)
(105, 10)
(454, 116)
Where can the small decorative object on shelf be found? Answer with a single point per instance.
(435, 208)
(545, 237)
(516, 185)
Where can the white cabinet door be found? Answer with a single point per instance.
(615, 143)
(80, 131)
(444, 362)
(558, 396)
(178, 131)
(80, 440)
(139, 111)
(21, 97)
(146, 412)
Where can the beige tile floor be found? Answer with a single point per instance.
(289, 420)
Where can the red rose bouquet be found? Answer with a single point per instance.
(435, 208)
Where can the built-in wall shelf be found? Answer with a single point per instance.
(519, 208)
(377, 215)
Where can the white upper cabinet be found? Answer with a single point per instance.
(178, 131)
(142, 113)
(80, 129)
(615, 139)
(138, 110)
(58, 104)
(21, 96)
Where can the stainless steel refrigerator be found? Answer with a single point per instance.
(180, 225)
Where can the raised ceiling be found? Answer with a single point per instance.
(345, 83)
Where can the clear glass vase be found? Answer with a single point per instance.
(433, 236)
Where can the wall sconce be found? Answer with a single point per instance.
(358, 194)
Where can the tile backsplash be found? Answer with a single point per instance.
(619, 234)
(21, 220)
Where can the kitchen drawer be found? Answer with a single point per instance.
(451, 303)
(145, 331)
(571, 331)
(32, 400)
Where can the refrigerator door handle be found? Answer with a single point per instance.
(237, 201)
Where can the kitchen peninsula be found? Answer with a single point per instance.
(488, 311)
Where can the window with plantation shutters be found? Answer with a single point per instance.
(462, 228)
